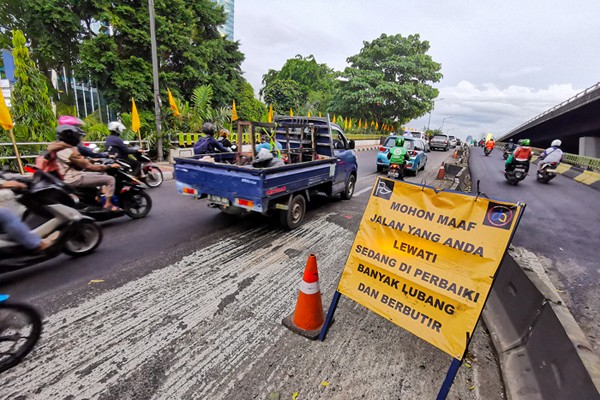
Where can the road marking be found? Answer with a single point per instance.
(365, 190)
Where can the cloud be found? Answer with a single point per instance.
(472, 109)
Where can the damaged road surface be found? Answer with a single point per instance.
(209, 327)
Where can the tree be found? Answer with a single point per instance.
(249, 107)
(283, 95)
(191, 52)
(31, 108)
(315, 82)
(389, 81)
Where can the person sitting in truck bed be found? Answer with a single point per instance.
(265, 143)
(208, 144)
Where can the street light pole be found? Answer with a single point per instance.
(429, 120)
(444, 120)
(159, 143)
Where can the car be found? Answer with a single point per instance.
(418, 135)
(452, 140)
(440, 141)
(417, 159)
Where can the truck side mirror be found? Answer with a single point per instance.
(351, 145)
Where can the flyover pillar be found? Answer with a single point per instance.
(589, 146)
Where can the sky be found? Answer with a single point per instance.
(504, 62)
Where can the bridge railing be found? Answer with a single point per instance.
(556, 107)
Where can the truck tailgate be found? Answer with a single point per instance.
(255, 187)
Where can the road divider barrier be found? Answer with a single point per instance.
(307, 319)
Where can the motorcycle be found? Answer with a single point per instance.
(152, 175)
(518, 172)
(149, 173)
(130, 195)
(507, 153)
(47, 200)
(396, 171)
(20, 329)
(547, 172)
(487, 151)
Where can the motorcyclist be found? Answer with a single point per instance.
(510, 146)
(551, 154)
(521, 154)
(490, 144)
(397, 155)
(75, 169)
(208, 143)
(116, 147)
(83, 149)
(224, 139)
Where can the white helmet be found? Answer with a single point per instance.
(556, 143)
(116, 127)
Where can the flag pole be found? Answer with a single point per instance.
(14, 142)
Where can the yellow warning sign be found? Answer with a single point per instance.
(426, 260)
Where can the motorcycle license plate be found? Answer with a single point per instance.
(551, 171)
(520, 170)
(218, 200)
(393, 174)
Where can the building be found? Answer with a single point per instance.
(227, 29)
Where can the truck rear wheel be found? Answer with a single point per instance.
(293, 216)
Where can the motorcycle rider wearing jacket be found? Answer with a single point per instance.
(208, 143)
(551, 154)
(397, 155)
(83, 149)
(75, 169)
(116, 147)
(510, 146)
(490, 144)
(521, 154)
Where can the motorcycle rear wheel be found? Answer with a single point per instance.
(84, 239)
(154, 178)
(137, 205)
(20, 329)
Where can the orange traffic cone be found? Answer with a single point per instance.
(441, 172)
(455, 155)
(308, 318)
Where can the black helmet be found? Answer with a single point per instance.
(69, 134)
(209, 129)
(510, 141)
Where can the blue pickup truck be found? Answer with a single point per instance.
(319, 158)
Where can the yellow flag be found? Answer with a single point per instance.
(320, 115)
(270, 116)
(291, 112)
(308, 114)
(360, 123)
(333, 120)
(377, 126)
(135, 117)
(366, 125)
(5, 119)
(234, 115)
(172, 104)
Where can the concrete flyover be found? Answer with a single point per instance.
(575, 121)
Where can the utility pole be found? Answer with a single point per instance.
(429, 120)
(159, 143)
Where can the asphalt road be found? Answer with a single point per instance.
(187, 303)
(560, 225)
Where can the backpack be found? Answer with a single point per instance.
(48, 163)
(201, 147)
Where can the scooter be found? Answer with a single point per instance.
(487, 151)
(518, 172)
(20, 329)
(47, 199)
(150, 174)
(396, 171)
(130, 195)
(547, 172)
(153, 176)
(507, 153)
